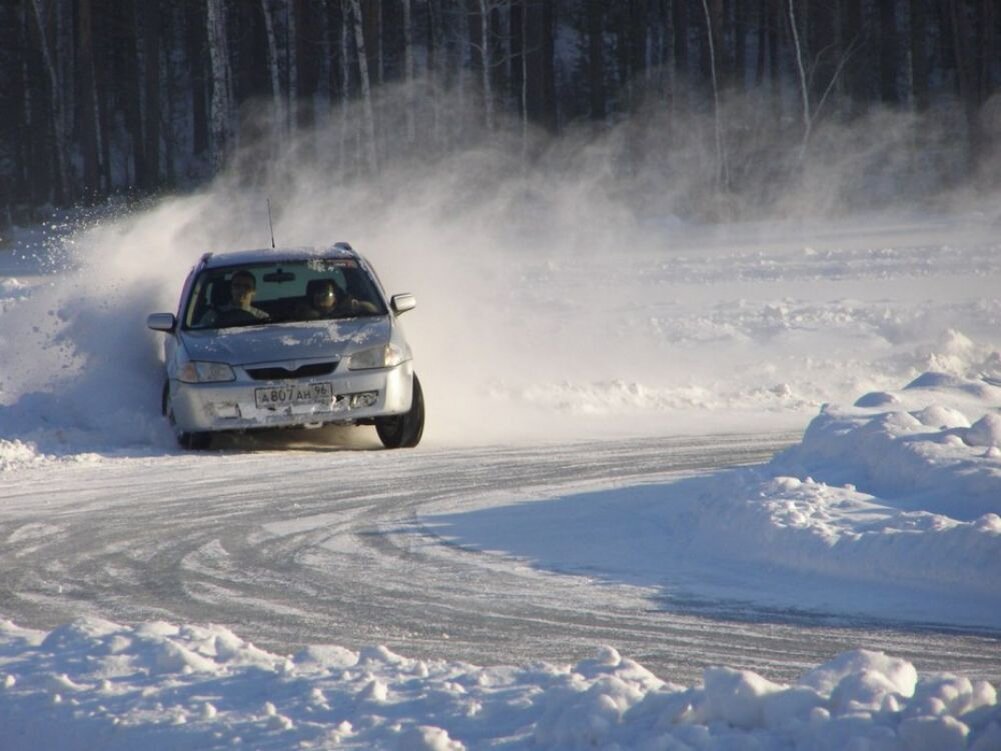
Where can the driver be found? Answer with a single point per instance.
(242, 288)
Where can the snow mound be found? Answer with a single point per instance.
(12, 288)
(925, 453)
(876, 399)
(947, 382)
(89, 684)
(985, 432)
(16, 454)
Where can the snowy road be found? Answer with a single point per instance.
(316, 545)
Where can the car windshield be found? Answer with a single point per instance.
(280, 292)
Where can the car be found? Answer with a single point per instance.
(283, 338)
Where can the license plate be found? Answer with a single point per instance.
(282, 396)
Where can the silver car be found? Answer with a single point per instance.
(298, 337)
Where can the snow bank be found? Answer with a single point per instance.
(890, 509)
(96, 684)
(904, 485)
(935, 446)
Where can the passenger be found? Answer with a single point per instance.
(239, 309)
(327, 300)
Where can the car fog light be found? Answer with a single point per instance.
(227, 410)
(365, 399)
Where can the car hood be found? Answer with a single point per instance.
(289, 341)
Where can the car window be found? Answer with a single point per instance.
(281, 294)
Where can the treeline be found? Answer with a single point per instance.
(108, 97)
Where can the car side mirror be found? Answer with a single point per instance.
(402, 303)
(161, 322)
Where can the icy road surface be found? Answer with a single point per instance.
(318, 545)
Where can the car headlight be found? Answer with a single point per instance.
(205, 372)
(386, 356)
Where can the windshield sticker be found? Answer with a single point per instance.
(325, 264)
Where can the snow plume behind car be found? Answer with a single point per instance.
(548, 309)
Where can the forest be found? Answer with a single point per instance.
(134, 98)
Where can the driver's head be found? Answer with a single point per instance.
(324, 296)
(242, 286)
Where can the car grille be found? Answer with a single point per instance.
(280, 374)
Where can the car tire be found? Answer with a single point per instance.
(404, 431)
(194, 441)
(191, 441)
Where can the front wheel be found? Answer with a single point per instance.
(191, 441)
(404, 431)
(194, 441)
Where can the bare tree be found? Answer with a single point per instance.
(804, 86)
(596, 59)
(42, 11)
(89, 129)
(437, 68)
(521, 18)
(151, 98)
(486, 58)
(810, 114)
(722, 168)
(345, 89)
(292, 58)
(918, 70)
(408, 68)
(221, 82)
(278, 120)
(366, 89)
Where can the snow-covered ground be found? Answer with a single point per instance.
(878, 337)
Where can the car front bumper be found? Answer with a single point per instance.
(357, 395)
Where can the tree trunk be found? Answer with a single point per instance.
(965, 75)
(742, 22)
(89, 149)
(30, 177)
(486, 63)
(718, 48)
(366, 90)
(821, 47)
(918, 73)
(221, 83)
(722, 178)
(596, 59)
(987, 27)
(539, 84)
(170, 73)
(763, 25)
(103, 79)
(195, 43)
(437, 71)
(346, 124)
(518, 22)
(292, 58)
(132, 73)
(151, 59)
(888, 52)
(277, 110)
(56, 102)
(859, 70)
(408, 72)
(804, 84)
(680, 17)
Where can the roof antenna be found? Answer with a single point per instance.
(270, 225)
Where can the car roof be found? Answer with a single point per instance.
(264, 255)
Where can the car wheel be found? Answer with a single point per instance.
(192, 441)
(404, 431)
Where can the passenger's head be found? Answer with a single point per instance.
(242, 286)
(322, 294)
